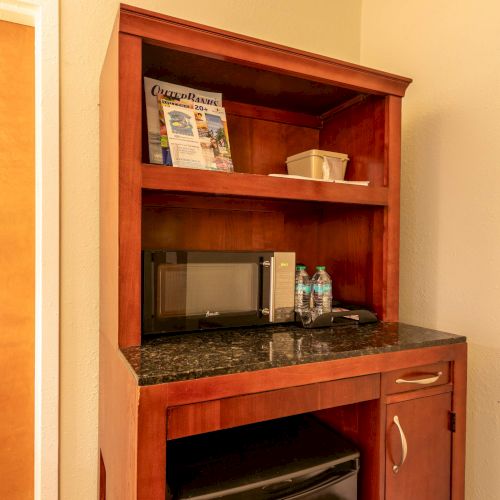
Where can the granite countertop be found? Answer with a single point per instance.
(195, 355)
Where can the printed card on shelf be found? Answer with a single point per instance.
(183, 138)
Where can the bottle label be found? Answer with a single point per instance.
(327, 288)
(303, 288)
(318, 288)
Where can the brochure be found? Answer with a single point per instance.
(153, 88)
(183, 139)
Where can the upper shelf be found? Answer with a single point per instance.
(258, 186)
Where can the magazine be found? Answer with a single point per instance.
(153, 88)
(183, 138)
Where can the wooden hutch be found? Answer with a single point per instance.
(279, 102)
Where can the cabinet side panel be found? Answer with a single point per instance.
(345, 245)
(130, 99)
(117, 388)
(152, 442)
(118, 408)
(392, 217)
(108, 187)
(458, 437)
(358, 131)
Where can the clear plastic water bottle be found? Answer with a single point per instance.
(321, 291)
(302, 290)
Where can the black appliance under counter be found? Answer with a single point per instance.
(290, 458)
(196, 355)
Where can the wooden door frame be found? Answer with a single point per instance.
(43, 15)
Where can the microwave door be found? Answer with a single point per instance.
(210, 292)
(193, 290)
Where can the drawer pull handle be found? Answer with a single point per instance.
(404, 446)
(420, 381)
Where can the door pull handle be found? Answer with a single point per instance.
(420, 381)
(404, 446)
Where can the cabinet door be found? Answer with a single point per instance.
(424, 470)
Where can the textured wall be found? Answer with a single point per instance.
(450, 224)
(329, 27)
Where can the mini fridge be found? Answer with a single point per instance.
(290, 458)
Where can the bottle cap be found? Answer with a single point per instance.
(300, 267)
(320, 268)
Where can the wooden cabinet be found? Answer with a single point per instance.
(418, 450)
(279, 101)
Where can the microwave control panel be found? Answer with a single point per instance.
(283, 295)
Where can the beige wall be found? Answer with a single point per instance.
(450, 263)
(450, 224)
(17, 259)
(329, 27)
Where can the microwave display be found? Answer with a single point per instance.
(194, 290)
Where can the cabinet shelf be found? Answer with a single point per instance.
(258, 186)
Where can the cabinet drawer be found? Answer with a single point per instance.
(419, 377)
(207, 416)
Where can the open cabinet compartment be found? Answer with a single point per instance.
(273, 115)
(279, 102)
(341, 237)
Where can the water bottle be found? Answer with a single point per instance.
(321, 291)
(302, 290)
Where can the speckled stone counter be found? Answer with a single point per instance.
(220, 352)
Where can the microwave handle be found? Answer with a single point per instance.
(271, 292)
(267, 278)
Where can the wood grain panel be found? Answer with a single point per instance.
(129, 222)
(240, 130)
(378, 290)
(241, 410)
(211, 229)
(187, 180)
(109, 192)
(227, 46)
(260, 146)
(223, 386)
(118, 423)
(392, 216)
(359, 131)
(269, 405)
(459, 377)
(350, 390)
(271, 114)
(389, 385)
(17, 262)
(345, 247)
(399, 397)
(302, 231)
(188, 420)
(151, 443)
(426, 472)
(363, 424)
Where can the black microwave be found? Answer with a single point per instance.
(197, 290)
